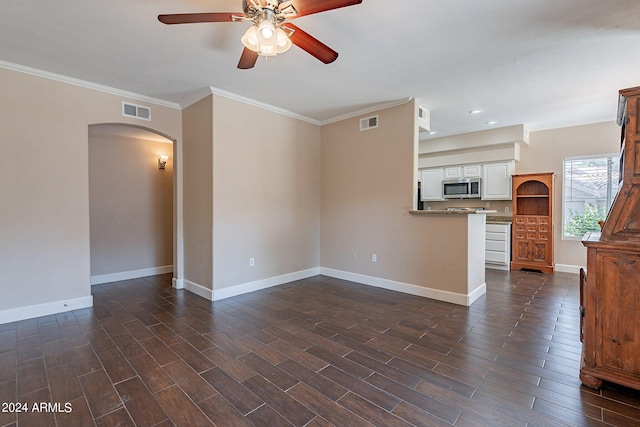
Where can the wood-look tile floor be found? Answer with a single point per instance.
(316, 352)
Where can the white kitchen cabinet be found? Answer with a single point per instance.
(498, 246)
(452, 172)
(431, 184)
(464, 171)
(472, 171)
(496, 180)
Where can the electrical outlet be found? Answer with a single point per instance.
(374, 257)
(506, 209)
(354, 255)
(487, 205)
(252, 262)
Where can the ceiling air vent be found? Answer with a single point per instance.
(369, 123)
(137, 111)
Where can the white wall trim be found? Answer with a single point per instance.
(244, 288)
(194, 97)
(177, 283)
(39, 310)
(133, 274)
(566, 268)
(407, 288)
(83, 83)
(373, 108)
(268, 107)
(436, 294)
(198, 289)
(476, 293)
(377, 107)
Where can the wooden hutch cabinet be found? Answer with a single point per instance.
(532, 237)
(610, 289)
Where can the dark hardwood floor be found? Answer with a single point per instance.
(316, 352)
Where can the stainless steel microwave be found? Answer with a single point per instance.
(464, 188)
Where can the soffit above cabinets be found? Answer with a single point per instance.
(495, 145)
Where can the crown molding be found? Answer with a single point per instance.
(371, 109)
(85, 84)
(244, 99)
(196, 96)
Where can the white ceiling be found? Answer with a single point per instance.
(544, 63)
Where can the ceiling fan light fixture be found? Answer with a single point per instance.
(250, 39)
(267, 32)
(283, 42)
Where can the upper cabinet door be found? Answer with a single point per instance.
(452, 172)
(472, 171)
(496, 181)
(431, 184)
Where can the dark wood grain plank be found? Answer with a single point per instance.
(32, 376)
(222, 413)
(271, 372)
(101, 396)
(370, 412)
(235, 393)
(325, 407)
(290, 409)
(180, 408)
(191, 383)
(152, 374)
(141, 405)
(64, 384)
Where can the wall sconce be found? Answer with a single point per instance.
(162, 161)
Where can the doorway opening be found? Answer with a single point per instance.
(131, 202)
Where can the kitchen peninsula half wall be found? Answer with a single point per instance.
(458, 265)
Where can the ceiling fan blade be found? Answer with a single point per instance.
(193, 18)
(309, 7)
(247, 59)
(311, 45)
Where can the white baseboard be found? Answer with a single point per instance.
(244, 288)
(133, 274)
(39, 310)
(565, 268)
(177, 283)
(264, 283)
(197, 289)
(437, 294)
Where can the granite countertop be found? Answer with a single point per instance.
(446, 212)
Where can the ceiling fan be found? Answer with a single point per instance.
(269, 34)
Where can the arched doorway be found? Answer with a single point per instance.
(131, 202)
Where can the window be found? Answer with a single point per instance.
(589, 186)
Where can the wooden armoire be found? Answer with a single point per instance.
(610, 289)
(532, 237)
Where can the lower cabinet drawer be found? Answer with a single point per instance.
(498, 246)
(496, 236)
(497, 228)
(496, 257)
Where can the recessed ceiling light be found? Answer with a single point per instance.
(491, 122)
(475, 111)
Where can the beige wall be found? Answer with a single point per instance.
(367, 193)
(545, 154)
(266, 188)
(197, 154)
(131, 204)
(44, 214)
